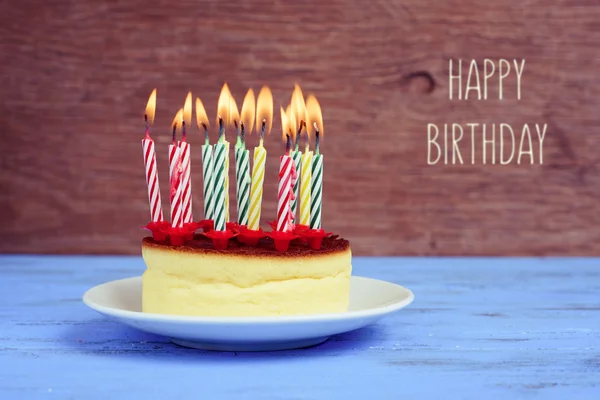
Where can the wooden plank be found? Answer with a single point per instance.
(479, 328)
(77, 75)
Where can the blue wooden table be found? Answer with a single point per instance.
(478, 329)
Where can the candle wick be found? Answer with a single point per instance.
(174, 132)
(262, 130)
(243, 132)
(288, 144)
(183, 132)
(298, 134)
(205, 133)
(147, 125)
(306, 137)
(317, 139)
(237, 128)
(221, 129)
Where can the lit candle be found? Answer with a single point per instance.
(298, 115)
(287, 176)
(156, 214)
(224, 119)
(184, 148)
(243, 157)
(315, 122)
(226, 181)
(219, 176)
(207, 162)
(264, 117)
(305, 182)
(234, 119)
(221, 161)
(175, 170)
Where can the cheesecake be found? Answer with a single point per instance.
(197, 280)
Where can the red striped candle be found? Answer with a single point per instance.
(287, 179)
(184, 149)
(156, 214)
(175, 172)
(186, 182)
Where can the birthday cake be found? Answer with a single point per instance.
(217, 267)
(196, 279)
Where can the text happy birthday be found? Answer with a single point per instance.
(495, 143)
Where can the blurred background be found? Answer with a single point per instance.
(76, 76)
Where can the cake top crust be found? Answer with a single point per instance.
(265, 248)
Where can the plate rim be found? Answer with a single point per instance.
(169, 318)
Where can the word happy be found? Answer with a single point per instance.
(487, 143)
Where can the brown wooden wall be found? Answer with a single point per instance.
(75, 77)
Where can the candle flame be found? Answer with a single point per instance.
(291, 117)
(264, 109)
(285, 124)
(151, 107)
(224, 105)
(201, 117)
(298, 107)
(248, 111)
(178, 118)
(234, 114)
(187, 109)
(314, 116)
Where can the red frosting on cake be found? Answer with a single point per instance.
(265, 247)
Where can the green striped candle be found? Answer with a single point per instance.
(219, 179)
(242, 177)
(236, 152)
(244, 203)
(207, 175)
(316, 187)
(296, 158)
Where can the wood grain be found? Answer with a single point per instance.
(480, 328)
(75, 78)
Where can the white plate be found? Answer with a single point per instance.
(370, 300)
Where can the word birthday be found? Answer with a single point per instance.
(460, 143)
(497, 143)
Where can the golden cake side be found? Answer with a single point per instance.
(193, 280)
